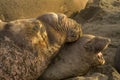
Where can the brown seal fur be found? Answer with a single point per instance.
(77, 58)
(28, 45)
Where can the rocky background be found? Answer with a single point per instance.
(100, 17)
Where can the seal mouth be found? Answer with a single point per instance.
(99, 55)
(100, 58)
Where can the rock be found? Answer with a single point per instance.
(77, 58)
(104, 72)
(102, 18)
(28, 45)
(100, 10)
(117, 60)
(107, 70)
(95, 76)
(17, 9)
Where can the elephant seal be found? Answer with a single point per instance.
(75, 59)
(28, 45)
(19, 9)
(117, 60)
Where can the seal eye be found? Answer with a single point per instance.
(72, 34)
(35, 28)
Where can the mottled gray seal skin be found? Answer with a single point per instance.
(117, 59)
(28, 45)
(77, 58)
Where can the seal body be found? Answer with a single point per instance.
(15, 9)
(77, 58)
(28, 45)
